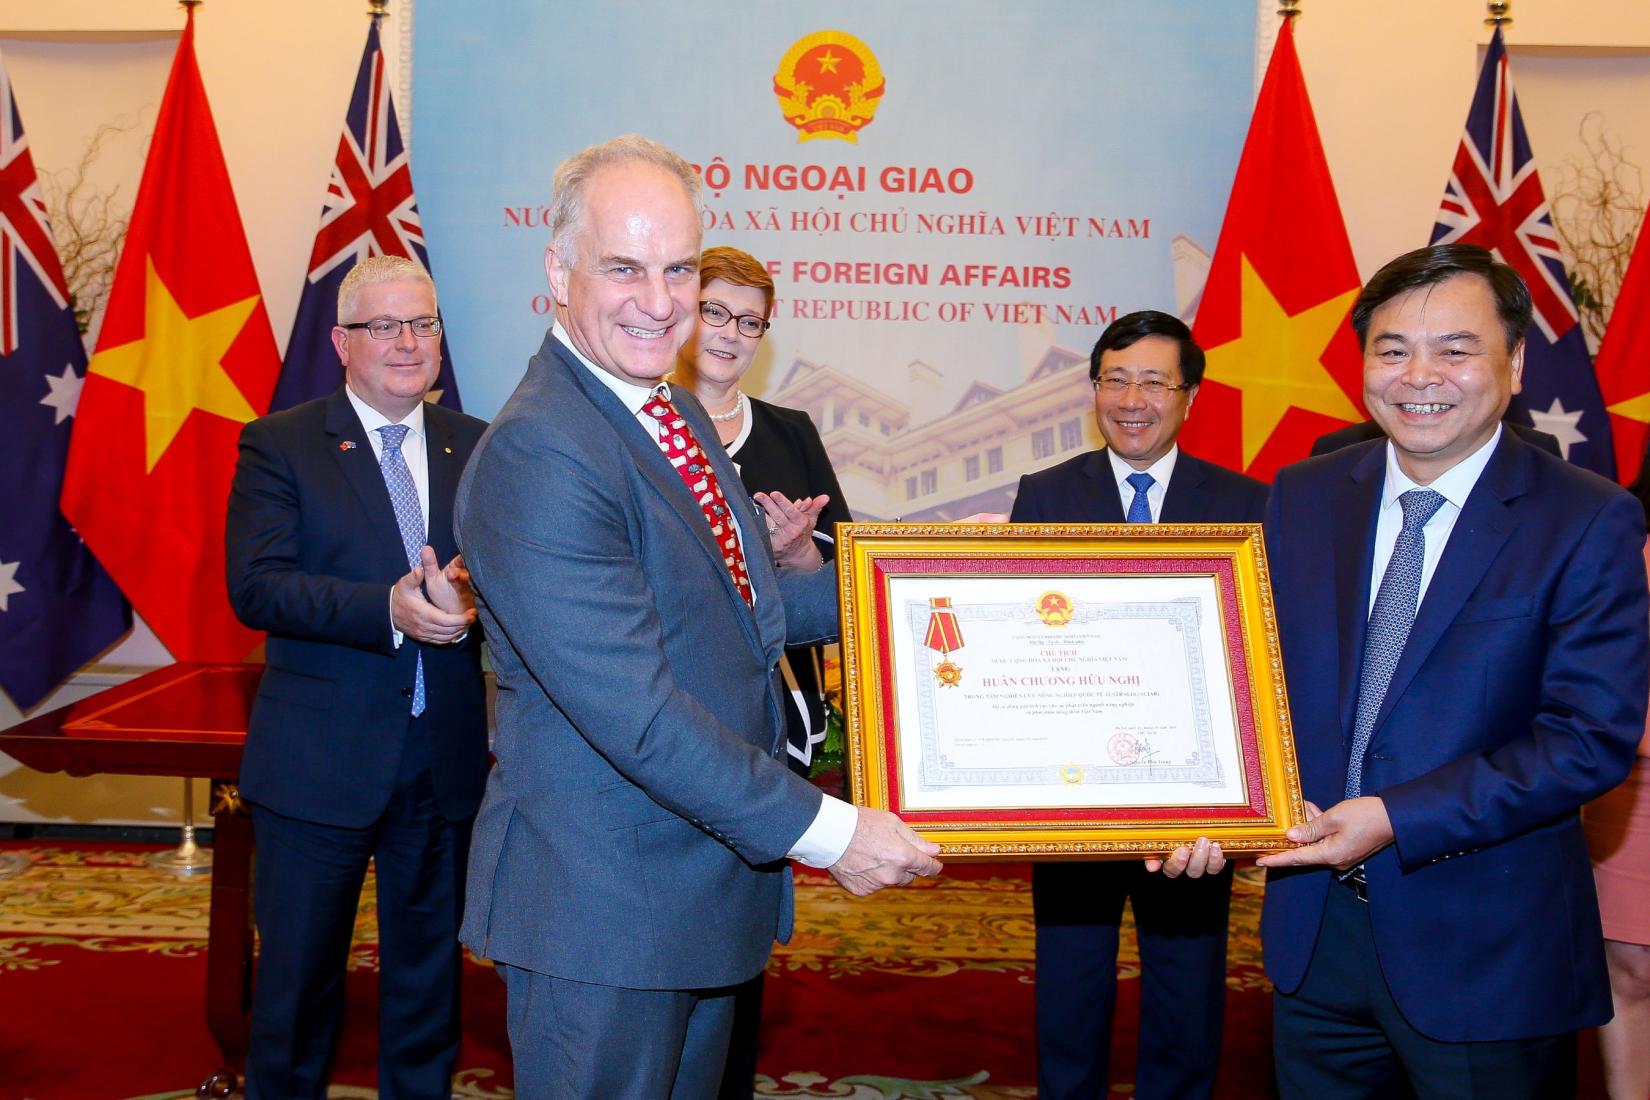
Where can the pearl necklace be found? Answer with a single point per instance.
(723, 418)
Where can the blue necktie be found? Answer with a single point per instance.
(409, 516)
(1389, 623)
(1140, 509)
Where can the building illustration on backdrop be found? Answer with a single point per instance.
(909, 458)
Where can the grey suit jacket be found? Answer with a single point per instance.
(635, 825)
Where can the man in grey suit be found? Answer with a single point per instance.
(629, 862)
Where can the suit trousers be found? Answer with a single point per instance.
(580, 1041)
(308, 882)
(1340, 1036)
(1181, 925)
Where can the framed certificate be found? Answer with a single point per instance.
(1067, 691)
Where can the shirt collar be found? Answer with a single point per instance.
(372, 419)
(1161, 470)
(1455, 483)
(632, 396)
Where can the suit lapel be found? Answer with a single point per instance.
(1479, 533)
(444, 465)
(1355, 512)
(360, 468)
(658, 471)
(1187, 498)
(1102, 502)
(769, 611)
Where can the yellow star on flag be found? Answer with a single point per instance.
(178, 364)
(1634, 408)
(1276, 361)
(828, 61)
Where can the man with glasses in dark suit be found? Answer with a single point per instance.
(368, 736)
(1145, 371)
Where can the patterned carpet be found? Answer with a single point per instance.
(922, 993)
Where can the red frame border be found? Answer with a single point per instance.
(884, 568)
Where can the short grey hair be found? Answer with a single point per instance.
(574, 173)
(376, 271)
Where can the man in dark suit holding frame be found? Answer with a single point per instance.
(1145, 371)
(1463, 627)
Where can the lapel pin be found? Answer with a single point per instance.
(347, 445)
(449, 450)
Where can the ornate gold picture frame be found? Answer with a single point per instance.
(1065, 691)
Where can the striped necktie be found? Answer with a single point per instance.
(409, 516)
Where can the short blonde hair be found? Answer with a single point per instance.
(568, 185)
(376, 271)
(738, 267)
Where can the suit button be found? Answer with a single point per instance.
(406, 693)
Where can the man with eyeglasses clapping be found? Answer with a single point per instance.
(368, 736)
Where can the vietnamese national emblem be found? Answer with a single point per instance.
(829, 86)
(1054, 608)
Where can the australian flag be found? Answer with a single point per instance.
(369, 211)
(58, 608)
(1494, 199)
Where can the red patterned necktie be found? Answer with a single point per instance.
(682, 448)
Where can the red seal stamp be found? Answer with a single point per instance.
(1123, 749)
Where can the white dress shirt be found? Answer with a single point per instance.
(1455, 484)
(1161, 470)
(824, 841)
(413, 447)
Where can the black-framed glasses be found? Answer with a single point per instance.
(717, 315)
(388, 328)
(1151, 387)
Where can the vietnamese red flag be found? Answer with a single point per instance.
(1283, 364)
(1623, 363)
(184, 359)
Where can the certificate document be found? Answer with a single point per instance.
(1101, 691)
(1066, 691)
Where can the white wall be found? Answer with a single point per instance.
(1390, 82)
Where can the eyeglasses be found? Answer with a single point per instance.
(388, 328)
(717, 315)
(1151, 387)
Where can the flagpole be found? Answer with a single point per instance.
(1498, 17)
(1290, 10)
(188, 858)
(378, 9)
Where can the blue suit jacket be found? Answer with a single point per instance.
(1520, 696)
(1082, 490)
(313, 548)
(634, 828)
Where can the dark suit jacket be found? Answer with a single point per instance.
(313, 548)
(1363, 433)
(634, 829)
(1082, 490)
(784, 453)
(1519, 696)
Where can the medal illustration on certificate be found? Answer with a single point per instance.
(944, 637)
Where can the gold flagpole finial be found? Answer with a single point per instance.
(1498, 17)
(378, 9)
(189, 5)
(1289, 9)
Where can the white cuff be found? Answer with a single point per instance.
(823, 842)
(395, 635)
